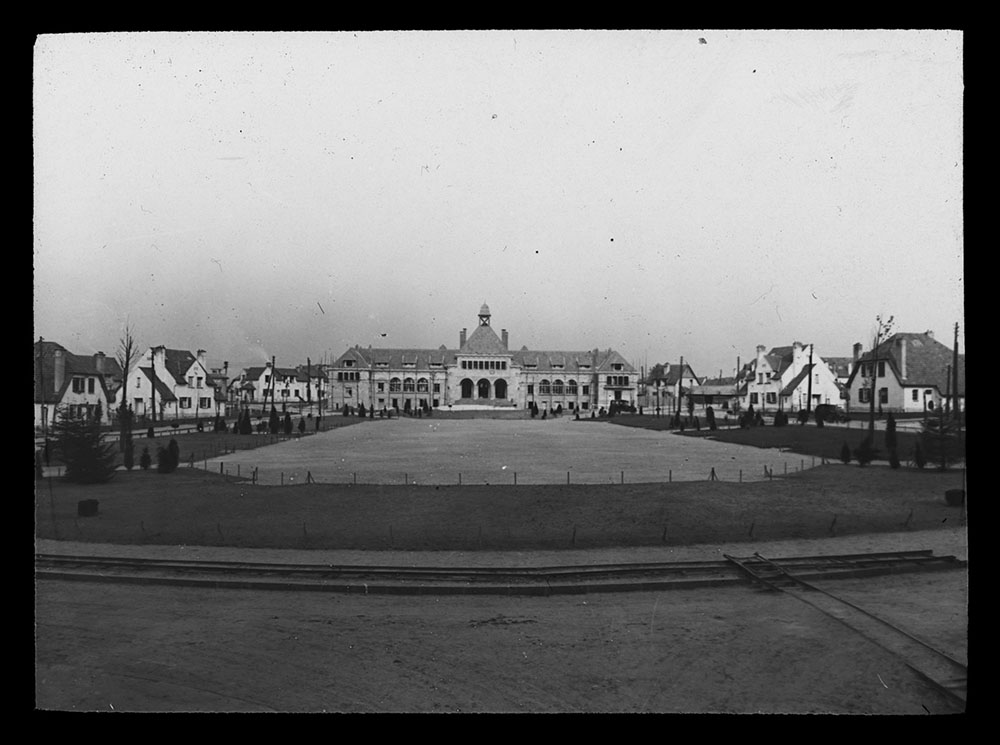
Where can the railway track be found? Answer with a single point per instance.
(935, 666)
(523, 580)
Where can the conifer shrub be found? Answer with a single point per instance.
(865, 453)
(88, 459)
(845, 453)
(145, 460)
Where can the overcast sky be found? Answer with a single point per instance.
(663, 193)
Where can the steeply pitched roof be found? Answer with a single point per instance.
(163, 393)
(927, 361)
(483, 340)
(74, 364)
(673, 374)
(177, 363)
(794, 382)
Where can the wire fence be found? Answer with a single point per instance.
(291, 476)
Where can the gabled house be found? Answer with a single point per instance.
(65, 381)
(909, 374)
(297, 388)
(171, 384)
(784, 378)
(665, 383)
(719, 393)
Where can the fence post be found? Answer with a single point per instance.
(741, 475)
(670, 475)
(515, 478)
(623, 477)
(220, 466)
(713, 477)
(459, 478)
(282, 478)
(567, 477)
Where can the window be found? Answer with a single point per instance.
(348, 363)
(531, 389)
(915, 395)
(408, 385)
(185, 402)
(267, 379)
(77, 385)
(585, 390)
(138, 382)
(883, 395)
(753, 398)
(571, 388)
(90, 385)
(437, 389)
(881, 368)
(395, 385)
(557, 388)
(137, 404)
(772, 397)
(381, 387)
(422, 385)
(204, 403)
(348, 392)
(864, 395)
(760, 378)
(544, 388)
(284, 393)
(616, 366)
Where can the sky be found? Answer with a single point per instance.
(667, 194)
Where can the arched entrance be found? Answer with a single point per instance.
(466, 388)
(500, 389)
(484, 388)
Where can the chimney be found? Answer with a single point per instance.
(902, 357)
(503, 337)
(461, 338)
(761, 349)
(99, 362)
(201, 358)
(929, 334)
(59, 366)
(857, 351)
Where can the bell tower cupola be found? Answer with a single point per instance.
(484, 315)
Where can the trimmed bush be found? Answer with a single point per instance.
(845, 453)
(919, 459)
(865, 453)
(893, 459)
(129, 457)
(145, 460)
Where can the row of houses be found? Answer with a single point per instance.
(907, 373)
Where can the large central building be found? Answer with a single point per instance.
(481, 372)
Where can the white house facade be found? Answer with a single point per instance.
(908, 373)
(785, 378)
(171, 384)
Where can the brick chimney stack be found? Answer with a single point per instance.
(99, 362)
(461, 338)
(857, 351)
(503, 337)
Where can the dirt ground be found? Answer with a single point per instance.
(733, 650)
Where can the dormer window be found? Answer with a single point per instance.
(616, 366)
(348, 363)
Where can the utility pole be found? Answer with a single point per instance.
(954, 373)
(41, 386)
(809, 400)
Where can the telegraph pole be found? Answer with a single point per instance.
(954, 373)
(809, 401)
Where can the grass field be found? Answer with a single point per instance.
(192, 507)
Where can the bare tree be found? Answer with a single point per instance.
(883, 330)
(127, 355)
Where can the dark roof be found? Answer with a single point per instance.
(672, 375)
(483, 340)
(74, 364)
(794, 382)
(927, 361)
(162, 392)
(178, 362)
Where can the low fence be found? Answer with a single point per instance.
(289, 476)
